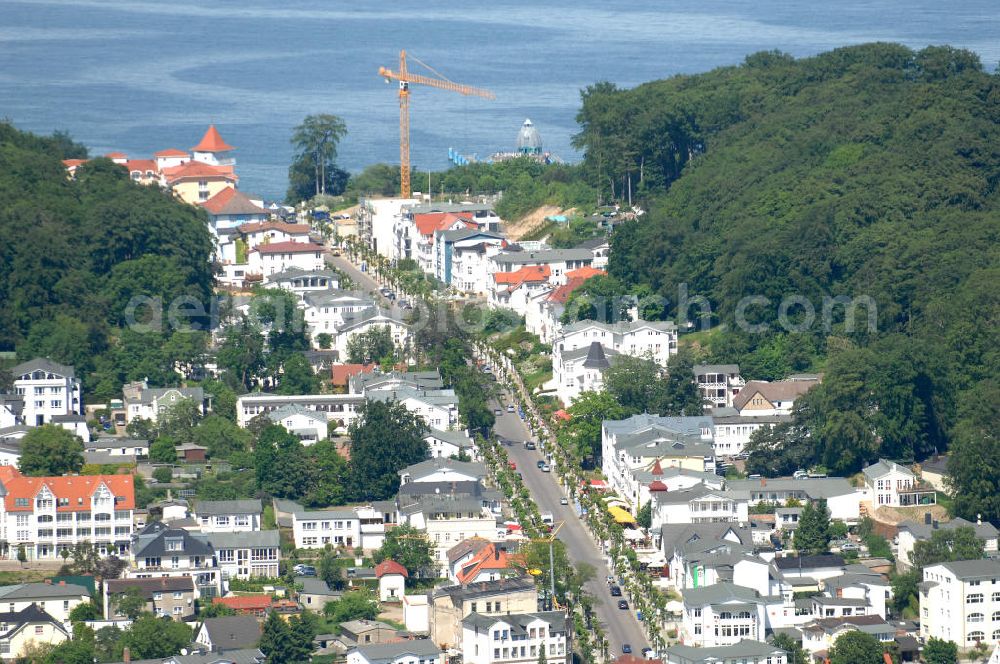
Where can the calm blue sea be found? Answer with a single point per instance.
(143, 75)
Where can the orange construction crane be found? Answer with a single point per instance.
(405, 78)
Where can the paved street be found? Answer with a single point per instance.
(621, 626)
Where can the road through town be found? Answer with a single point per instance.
(620, 625)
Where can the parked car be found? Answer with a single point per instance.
(626, 648)
(510, 408)
(497, 412)
(529, 445)
(647, 653)
(623, 605)
(616, 591)
(540, 463)
(546, 468)
(304, 570)
(564, 501)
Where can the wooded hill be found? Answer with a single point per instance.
(75, 252)
(866, 171)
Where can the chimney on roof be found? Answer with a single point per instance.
(927, 518)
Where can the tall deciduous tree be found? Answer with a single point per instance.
(947, 545)
(297, 376)
(242, 351)
(407, 546)
(582, 432)
(385, 438)
(371, 346)
(315, 140)
(151, 637)
(50, 450)
(280, 463)
(856, 648)
(974, 463)
(939, 651)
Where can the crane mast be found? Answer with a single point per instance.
(405, 78)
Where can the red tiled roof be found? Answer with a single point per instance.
(657, 485)
(73, 163)
(584, 273)
(532, 273)
(562, 415)
(142, 165)
(212, 142)
(574, 279)
(291, 229)
(390, 567)
(488, 558)
(77, 489)
(116, 155)
(231, 201)
(340, 374)
(245, 602)
(429, 222)
(200, 170)
(171, 152)
(288, 247)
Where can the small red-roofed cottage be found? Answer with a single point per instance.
(44, 515)
(391, 581)
(231, 208)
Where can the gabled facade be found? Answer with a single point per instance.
(171, 597)
(657, 340)
(759, 397)
(161, 551)
(20, 631)
(893, 485)
(56, 599)
(518, 638)
(268, 259)
(47, 389)
(461, 258)
(44, 515)
(142, 401)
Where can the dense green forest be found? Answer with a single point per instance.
(76, 252)
(866, 172)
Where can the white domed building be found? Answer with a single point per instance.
(528, 139)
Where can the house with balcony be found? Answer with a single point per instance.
(443, 469)
(842, 499)
(247, 554)
(447, 519)
(438, 408)
(911, 532)
(365, 321)
(894, 485)
(315, 529)
(145, 402)
(741, 653)
(300, 282)
(462, 258)
(274, 257)
(47, 390)
(522, 638)
(45, 515)
(450, 444)
(821, 634)
(699, 504)
(448, 606)
(161, 551)
(718, 383)
(723, 614)
(308, 426)
(340, 410)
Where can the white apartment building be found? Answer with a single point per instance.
(309, 426)
(325, 311)
(317, 528)
(516, 290)
(450, 444)
(377, 218)
(733, 431)
(44, 515)
(272, 232)
(520, 638)
(896, 486)
(723, 614)
(462, 258)
(718, 383)
(228, 516)
(443, 469)
(581, 370)
(339, 409)
(243, 555)
(960, 602)
(11, 408)
(641, 441)
(657, 340)
(48, 390)
(699, 504)
(438, 408)
(268, 259)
